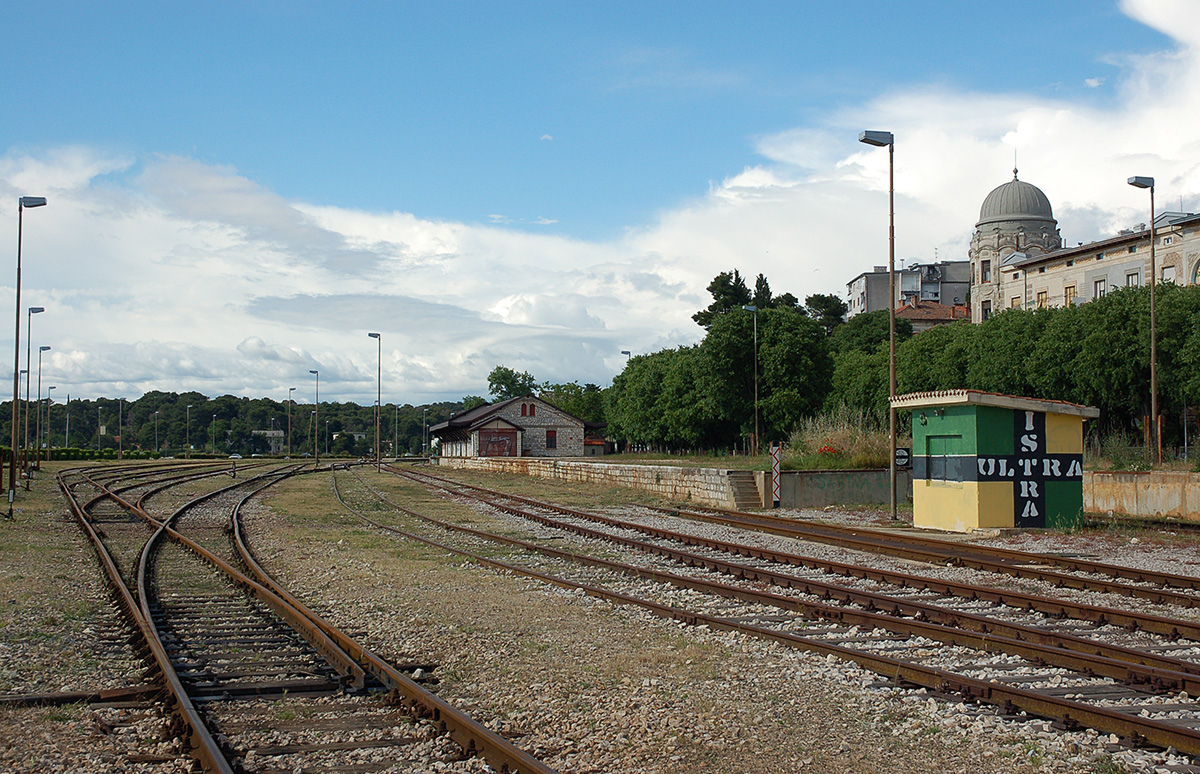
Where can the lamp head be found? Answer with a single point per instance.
(624, 352)
(375, 336)
(43, 349)
(36, 309)
(750, 308)
(878, 139)
(314, 372)
(31, 201)
(1141, 182)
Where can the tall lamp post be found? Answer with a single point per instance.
(37, 437)
(879, 140)
(424, 431)
(754, 309)
(156, 413)
(27, 449)
(316, 408)
(22, 203)
(378, 396)
(49, 403)
(212, 427)
(289, 444)
(1156, 436)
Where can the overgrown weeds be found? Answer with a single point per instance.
(839, 439)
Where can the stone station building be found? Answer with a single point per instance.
(519, 427)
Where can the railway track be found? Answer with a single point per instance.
(255, 680)
(1139, 690)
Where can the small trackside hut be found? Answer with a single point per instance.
(526, 426)
(984, 460)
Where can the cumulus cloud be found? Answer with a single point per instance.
(169, 273)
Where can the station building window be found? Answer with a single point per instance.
(1042, 299)
(551, 439)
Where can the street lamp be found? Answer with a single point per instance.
(378, 396)
(1156, 436)
(49, 403)
(316, 408)
(22, 203)
(425, 431)
(879, 140)
(28, 349)
(187, 431)
(37, 440)
(754, 309)
(212, 427)
(327, 438)
(289, 444)
(156, 431)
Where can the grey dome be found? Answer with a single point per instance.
(1016, 202)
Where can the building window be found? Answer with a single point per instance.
(524, 410)
(1016, 275)
(551, 439)
(1015, 303)
(985, 309)
(1132, 280)
(1099, 287)
(1041, 299)
(1168, 274)
(1069, 295)
(1071, 262)
(532, 410)
(1099, 256)
(1168, 240)
(985, 268)
(1133, 248)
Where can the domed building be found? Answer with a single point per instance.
(1018, 260)
(1016, 224)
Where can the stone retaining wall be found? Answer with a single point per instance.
(1156, 493)
(703, 486)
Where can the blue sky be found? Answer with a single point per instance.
(537, 184)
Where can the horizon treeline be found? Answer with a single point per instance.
(225, 424)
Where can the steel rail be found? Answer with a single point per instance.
(1003, 556)
(928, 550)
(473, 737)
(204, 747)
(1055, 607)
(930, 620)
(323, 644)
(1073, 714)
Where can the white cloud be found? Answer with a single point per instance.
(1093, 83)
(168, 273)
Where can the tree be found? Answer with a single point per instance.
(472, 401)
(729, 291)
(865, 332)
(828, 310)
(505, 383)
(794, 371)
(762, 293)
(584, 402)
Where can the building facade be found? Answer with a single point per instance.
(1018, 262)
(519, 427)
(943, 282)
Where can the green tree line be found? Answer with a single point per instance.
(162, 421)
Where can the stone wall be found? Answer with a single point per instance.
(702, 486)
(1155, 494)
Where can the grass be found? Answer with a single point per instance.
(838, 440)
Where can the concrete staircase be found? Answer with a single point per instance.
(744, 489)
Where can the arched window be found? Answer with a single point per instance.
(524, 409)
(532, 410)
